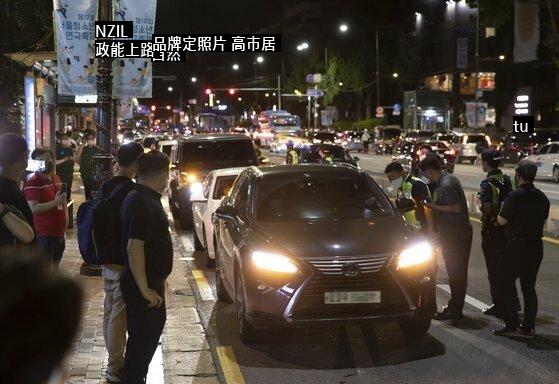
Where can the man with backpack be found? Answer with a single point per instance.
(114, 320)
(494, 190)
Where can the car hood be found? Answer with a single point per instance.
(312, 238)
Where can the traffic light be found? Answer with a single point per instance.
(231, 91)
(208, 91)
(153, 107)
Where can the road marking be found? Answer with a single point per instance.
(155, 370)
(469, 299)
(205, 290)
(359, 348)
(545, 238)
(229, 365)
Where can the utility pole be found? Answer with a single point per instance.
(106, 134)
(279, 91)
(378, 72)
(476, 95)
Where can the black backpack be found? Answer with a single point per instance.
(99, 229)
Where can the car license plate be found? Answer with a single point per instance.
(356, 297)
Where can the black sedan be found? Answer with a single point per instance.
(301, 245)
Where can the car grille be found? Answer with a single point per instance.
(334, 265)
(310, 304)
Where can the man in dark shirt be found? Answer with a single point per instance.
(85, 159)
(452, 223)
(149, 249)
(524, 213)
(13, 162)
(493, 191)
(114, 320)
(65, 163)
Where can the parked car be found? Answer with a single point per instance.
(408, 154)
(289, 259)
(547, 159)
(206, 198)
(515, 147)
(196, 157)
(353, 140)
(471, 145)
(309, 153)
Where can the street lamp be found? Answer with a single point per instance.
(240, 98)
(193, 79)
(502, 57)
(235, 67)
(259, 59)
(341, 84)
(343, 28)
(170, 89)
(304, 45)
(168, 107)
(395, 75)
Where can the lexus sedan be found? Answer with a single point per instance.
(303, 245)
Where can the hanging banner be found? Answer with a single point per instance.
(125, 108)
(471, 114)
(526, 31)
(133, 77)
(74, 25)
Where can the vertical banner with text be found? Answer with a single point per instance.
(133, 77)
(471, 114)
(526, 30)
(74, 25)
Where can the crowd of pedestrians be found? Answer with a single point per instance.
(33, 210)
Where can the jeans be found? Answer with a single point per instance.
(522, 259)
(52, 247)
(114, 319)
(456, 255)
(145, 325)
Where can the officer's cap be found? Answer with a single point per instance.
(491, 155)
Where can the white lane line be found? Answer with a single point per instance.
(155, 370)
(469, 299)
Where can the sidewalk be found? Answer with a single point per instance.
(183, 356)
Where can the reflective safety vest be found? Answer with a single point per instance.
(329, 159)
(498, 184)
(292, 157)
(406, 190)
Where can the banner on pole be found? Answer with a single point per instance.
(526, 31)
(133, 77)
(74, 26)
(125, 108)
(471, 114)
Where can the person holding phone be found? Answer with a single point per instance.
(65, 162)
(46, 196)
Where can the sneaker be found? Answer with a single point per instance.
(506, 331)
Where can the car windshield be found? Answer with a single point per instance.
(284, 121)
(319, 198)
(390, 133)
(476, 139)
(354, 135)
(448, 138)
(219, 152)
(311, 153)
(325, 136)
(223, 186)
(424, 134)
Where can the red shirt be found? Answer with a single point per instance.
(39, 188)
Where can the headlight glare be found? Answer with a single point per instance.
(414, 255)
(273, 262)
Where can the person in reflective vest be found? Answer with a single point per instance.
(493, 191)
(325, 156)
(410, 187)
(292, 155)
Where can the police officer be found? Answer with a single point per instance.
(325, 156)
(523, 214)
(292, 156)
(494, 188)
(410, 187)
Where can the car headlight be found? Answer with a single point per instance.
(416, 254)
(273, 262)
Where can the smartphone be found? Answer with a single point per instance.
(35, 165)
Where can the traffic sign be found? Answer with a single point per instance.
(379, 111)
(315, 92)
(396, 109)
(314, 78)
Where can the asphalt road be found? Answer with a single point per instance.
(379, 353)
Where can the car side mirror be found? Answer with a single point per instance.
(356, 159)
(405, 205)
(226, 212)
